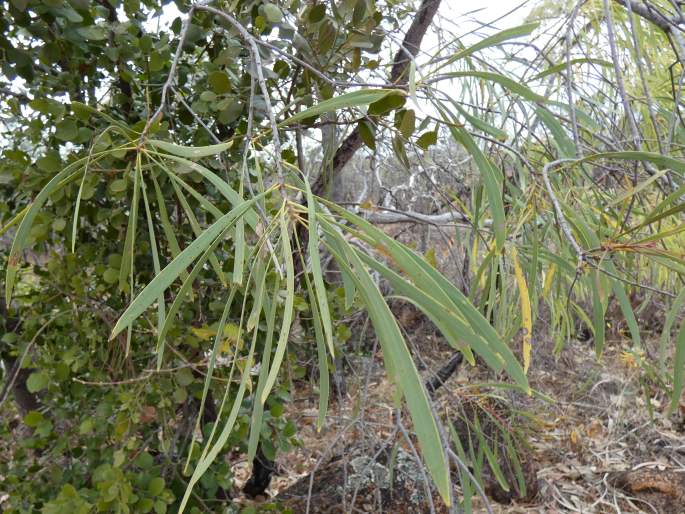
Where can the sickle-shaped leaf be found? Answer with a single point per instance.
(287, 312)
(345, 101)
(71, 172)
(317, 273)
(191, 152)
(395, 350)
(167, 276)
(491, 179)
(494, 40)
(430, 280)
(562, 66)
(504, 81)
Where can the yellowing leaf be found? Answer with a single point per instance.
(526, 316)
(203, 333)
(549, 279)
(631, 359)
(231, 333)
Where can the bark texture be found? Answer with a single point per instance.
(398, 76)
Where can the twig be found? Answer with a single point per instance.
(563, 223)
(630, 282)
(455, 458)
(172, 74)
(412, 447)
(652, 15)
(257, 64)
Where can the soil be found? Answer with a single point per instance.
(587, 441)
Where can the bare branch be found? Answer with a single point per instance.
(665, 23)
(409, 49)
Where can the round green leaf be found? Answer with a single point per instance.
(160, 507)
(180, 394)
(386, 104)
(144, 505)
(37, 381)
(317, 13)
(111, 275)
(156, 62)
(50, 163)
(367, 133)
(59, 224)
(156, 486)
(184, 377)
(273, 13)
(33, 418)
(427, 139)
(118, 186)
(408, 123)
(276, 410)
(219, 82)
(327, 34)
(144, 461)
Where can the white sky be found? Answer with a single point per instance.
(457, 11)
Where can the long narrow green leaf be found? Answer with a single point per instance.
(169, 233)
(195, 226)
(403, 368)
(491, 179)
(565, 145)
(324, 380)
(678, 369)
(213, 453)
(16, 219)
(161, 307)
(204, 203)
(183, 292)
(674, 311)
(165, 278)
(478, 123)
(258, 409)
(598, 312)
(65, 176)
(562, 66)
(190, 152)
(344, 101)
(490, 41)
(317, 273)
(619, 289)
(657, 217)
(287, 311)
(430, 280)
(639, 187)
(258, 269)
(222, 186)
(450, 323)
(239, 240)
(490, 456)
(127, 255)
(504, 81)
(464, 479)
(212, 358)
(662, 161)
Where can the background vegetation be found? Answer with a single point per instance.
(200, 208)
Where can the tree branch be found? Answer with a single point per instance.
(665, 23)
(398, 76)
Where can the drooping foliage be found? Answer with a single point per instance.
(165, 181)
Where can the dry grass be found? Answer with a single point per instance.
(597, 427)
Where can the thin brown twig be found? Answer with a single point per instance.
(257, 65)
